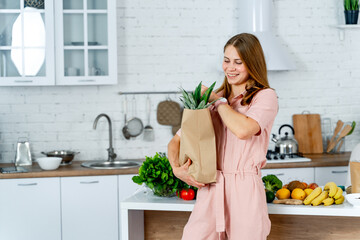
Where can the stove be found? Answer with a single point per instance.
(274, 157)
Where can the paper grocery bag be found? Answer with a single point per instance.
(198, 143)
(355, 177)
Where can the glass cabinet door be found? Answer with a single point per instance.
(26, 40)
(84, 49)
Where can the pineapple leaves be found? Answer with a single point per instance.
(207, 93)
(195, 100)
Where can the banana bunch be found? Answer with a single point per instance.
(331, 194)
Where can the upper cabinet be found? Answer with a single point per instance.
(85, 42)
(26, 43)
(65, 42)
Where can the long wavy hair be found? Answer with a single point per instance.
(251, 53)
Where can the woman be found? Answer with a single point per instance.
(235, 207)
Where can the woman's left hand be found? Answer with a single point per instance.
(213, 95)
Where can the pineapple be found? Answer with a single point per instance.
(194, 100)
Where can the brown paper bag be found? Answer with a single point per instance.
(198, 143)
(355, 177)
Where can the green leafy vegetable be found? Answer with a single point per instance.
(272, 183)
(156, 172)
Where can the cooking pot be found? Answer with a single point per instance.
(285, 145)
(67, 156)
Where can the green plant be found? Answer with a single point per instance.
(157, 174)
(194, 100)
(351, 5)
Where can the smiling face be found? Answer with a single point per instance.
(234, 68)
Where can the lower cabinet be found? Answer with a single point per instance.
(319, 175)
(89, 208)
(287, 175)
(126, 188)
(30, 209)
(333, 174)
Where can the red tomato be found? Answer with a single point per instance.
(187, 194)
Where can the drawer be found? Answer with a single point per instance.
(331, 174)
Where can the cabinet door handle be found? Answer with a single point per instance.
(87, 80)
(280, 174)
(345, 171)
(90, 182)
(23, 81)
(27, 184)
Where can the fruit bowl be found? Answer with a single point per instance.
(353, 199)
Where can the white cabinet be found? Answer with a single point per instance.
(30, 209)
(331, 174)
(85, 42)
(126, 186)
(26, 43)
(64, 42)
(287, 175)
(89, 208)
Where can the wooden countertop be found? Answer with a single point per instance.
(73, 170)
(317, 160)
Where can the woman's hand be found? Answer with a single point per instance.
(213, 95)
(182, 174)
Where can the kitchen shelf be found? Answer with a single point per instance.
(343, 27)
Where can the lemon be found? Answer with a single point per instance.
(283, 193)
(298, 193)
(308, 191)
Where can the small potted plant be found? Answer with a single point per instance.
(351, 10)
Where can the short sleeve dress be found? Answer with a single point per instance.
(235, 206)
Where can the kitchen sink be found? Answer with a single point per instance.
(123, 164)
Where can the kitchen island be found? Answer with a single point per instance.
(146, 216)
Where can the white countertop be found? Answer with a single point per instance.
(144, 199)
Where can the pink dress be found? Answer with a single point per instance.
(235, 206)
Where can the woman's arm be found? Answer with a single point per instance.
(239, 124)
(180, 172)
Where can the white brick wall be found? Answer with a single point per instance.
(166, 44)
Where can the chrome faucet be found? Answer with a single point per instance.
(112, 154)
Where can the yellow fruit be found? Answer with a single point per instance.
(317, 201)
(338, 193)
(298, 193)
(331, 187)
(340, 200)
(308, 191)
(328, 201)
(283, 193)
(316, 192)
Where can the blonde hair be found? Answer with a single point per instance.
(251, 53)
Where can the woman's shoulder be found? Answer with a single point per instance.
(266, 93)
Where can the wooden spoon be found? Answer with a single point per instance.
(343, 133)
(338, 127)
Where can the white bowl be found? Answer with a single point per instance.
(353, 199)
(49, 163)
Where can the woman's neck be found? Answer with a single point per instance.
(237, 90)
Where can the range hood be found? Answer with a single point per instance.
(255, 17)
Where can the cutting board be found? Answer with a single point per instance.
(307, 129)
